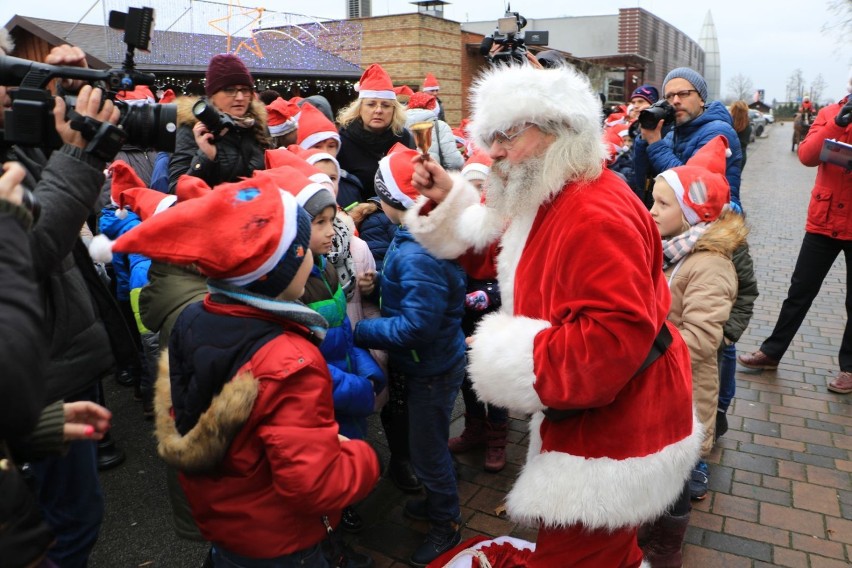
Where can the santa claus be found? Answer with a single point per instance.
(581, 342)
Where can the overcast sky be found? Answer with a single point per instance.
(764, 40)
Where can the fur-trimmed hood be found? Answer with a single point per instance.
(205, 445)
(256, 109)
(725, 235)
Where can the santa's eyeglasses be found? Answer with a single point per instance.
(506, 140)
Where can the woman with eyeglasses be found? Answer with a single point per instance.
(369, 126)
(225, 139)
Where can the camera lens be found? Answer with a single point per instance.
(150, 125)
(209, 115)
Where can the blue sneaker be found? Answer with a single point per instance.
(698, 482)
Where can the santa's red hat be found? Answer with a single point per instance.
(393, 178)
(477, 166)
(281, 115)
(145, 202)
(314, 127)
(248, 234)
(168, 96)
(314, 197)
(700, 185)
(139, 96)
(430, 83)
(313, 155)
(375, 83)
(191, 187)
(284, 157)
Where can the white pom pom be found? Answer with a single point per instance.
(728, 153)
(100, 249)
(121, 213)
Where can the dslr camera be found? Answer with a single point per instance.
(30, 122)
(512, 44)
(651, 116)
(216, 122)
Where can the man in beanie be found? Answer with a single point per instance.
(236, 149)
(244, 397)
(697, 121)
(563, 234)
(422, 307)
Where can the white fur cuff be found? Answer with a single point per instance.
(501, 362)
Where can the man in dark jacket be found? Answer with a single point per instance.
(78, 310)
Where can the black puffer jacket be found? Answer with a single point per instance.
(361, 150)
(238, 153)
(82, 320)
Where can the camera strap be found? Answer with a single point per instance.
(104, 139)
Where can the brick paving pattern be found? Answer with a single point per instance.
(780, 492)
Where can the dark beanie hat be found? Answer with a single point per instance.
(647, 92)
(225, 70)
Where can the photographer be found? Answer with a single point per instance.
(236, 150)
(65, 183)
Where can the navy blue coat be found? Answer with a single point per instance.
(422, 302)
(378, 232)
(684, 140)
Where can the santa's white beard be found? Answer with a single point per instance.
(511, 187)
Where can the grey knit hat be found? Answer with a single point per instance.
(690, 75)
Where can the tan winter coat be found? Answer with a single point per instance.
(704, 288)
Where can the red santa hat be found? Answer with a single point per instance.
(313, 155)
(284, 157)
(393, 178)
(248, 234)
(168, 96)
(375, 83)
(311, 195)
(145, 202)
(700, 185)
(123, 177)
(191, 187)
(403, 92)
(281, 115)
(614, 139)
(138, 96)
(477, 166)
(423, 100)
(314, 127)
(430, 83)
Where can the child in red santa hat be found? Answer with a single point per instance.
(244, 398)
(700, 234)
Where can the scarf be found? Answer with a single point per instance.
(677, 248)
(295, 311)
(246, 121)
(377, 144)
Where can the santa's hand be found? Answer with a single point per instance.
(430, 179)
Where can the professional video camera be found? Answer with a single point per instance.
(30, 122)
(651, 116)
(512, 45)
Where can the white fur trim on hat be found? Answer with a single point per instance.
(288, 125)
(288, 233)
(429, 89)
(165, 203)
(504, 96)
(320, 156)
(318, 137)
(393, 187)
(390, 95)
(501, 364)
(557, 489)
(474, 171)
(674, 181)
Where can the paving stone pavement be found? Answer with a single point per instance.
(780, 491)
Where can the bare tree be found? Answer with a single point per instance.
(795, 85)
(841, 25)
(741, 87)
(818, 86)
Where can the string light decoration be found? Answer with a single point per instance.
(280, 49)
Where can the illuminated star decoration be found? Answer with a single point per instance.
(257, 15)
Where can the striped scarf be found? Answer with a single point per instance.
(676, 248)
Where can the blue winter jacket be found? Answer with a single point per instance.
(131, 270)
(422, 303)
(378, 232)
(684, 140)
(355, 375)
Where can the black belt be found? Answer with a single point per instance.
(661, 343)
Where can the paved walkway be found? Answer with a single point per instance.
(780, 478)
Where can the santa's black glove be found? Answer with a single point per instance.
(844, 117)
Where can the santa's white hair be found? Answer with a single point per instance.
(560, 101)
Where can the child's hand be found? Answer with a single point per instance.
(367, 282)
(476, 301)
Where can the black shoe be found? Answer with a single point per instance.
(402, 475)
(441, 538)
(721, 424)
(351, 521)
(416, 509)
(335, 547)
(109, 455)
